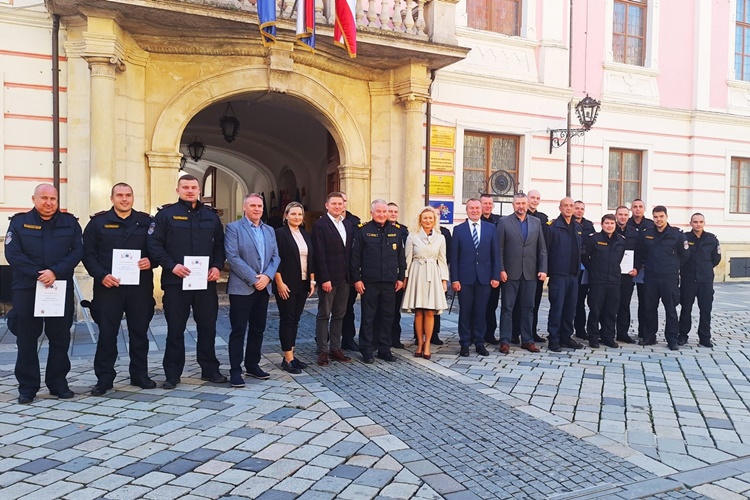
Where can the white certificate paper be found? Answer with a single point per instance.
(125, 266)
(50, 302)
(198, 279)
(626, 264)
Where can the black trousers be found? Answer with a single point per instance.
(642, 316)
(378, 302)
(290, 311)
(396, 327)
(604, 301)
(247, 314)
(177, 305)
(137, 303)
(348, 328)
(491, 318)
(623, 310)
(666, 290)
(28, 331)
(705, 294)
(579, 323)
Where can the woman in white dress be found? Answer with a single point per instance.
(426, 278)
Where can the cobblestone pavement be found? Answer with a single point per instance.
(633, 422)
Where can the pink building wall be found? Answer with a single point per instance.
(676, 58)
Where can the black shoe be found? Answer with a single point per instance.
(705, 343)
(25, 400)
(368, 359)
(236, 380)
(594, 344)
(255, 372)
(398, 345)
(464, 352)
(298, 364)
(554, 347)
(100, 389)
(290, 368)
(350, 346)
(570, 344)
(491, 341)
(646, 342)
(482, 351)
(538, 339)
(216, 378)
(64, 394)
(435, 340)
(387, 356)
(515, 340)
(143, 382)
(673, 347)
(681, 340)
(170, 384)
(611, 343)
(581, 335)
(626, 339)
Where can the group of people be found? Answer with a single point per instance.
(392, 269)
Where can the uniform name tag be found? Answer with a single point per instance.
(374, 235)
(111, 226)
(31, 226)
(179, 217)
(601, 243)
(649, 237)
(691, 243)
(392, 235)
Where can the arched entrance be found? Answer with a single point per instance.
(306, 131)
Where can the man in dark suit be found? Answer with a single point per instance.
(253, 257)
(348, 329)
(488, 205)
(524, 262)
(332, 241)
(475, 270)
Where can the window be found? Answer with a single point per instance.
(500, 16)
(485, 154)
(624, 177)
(739, 195)
(742, 41)
(629, 32)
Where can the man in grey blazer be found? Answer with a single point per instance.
(253, 258)
(524, 262)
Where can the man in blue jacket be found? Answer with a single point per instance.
(43, 246)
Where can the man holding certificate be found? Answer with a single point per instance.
(115, 255)
(43, 247)
(187, 241)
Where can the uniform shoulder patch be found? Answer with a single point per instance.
(361, 224)
(685, 245)
(9, 238)
(718, 248)
(151, 227)
(549, 222)
(98, 213)
(397, 225)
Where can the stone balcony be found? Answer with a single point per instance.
(389, 31)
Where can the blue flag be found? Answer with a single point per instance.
(267, 21)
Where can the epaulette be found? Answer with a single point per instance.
(213, 209)
(164, 206)
(361, 224)
(98, 213)
(16, 215)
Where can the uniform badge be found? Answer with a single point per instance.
(686, 245)
(151, 228)
(395, 246)
(9, 238)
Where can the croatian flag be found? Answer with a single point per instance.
(345, 31)
(267, 21)
(306, 24)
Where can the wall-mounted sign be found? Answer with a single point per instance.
(442, 137)
(445, 208)
(442, 160)
(441, 185)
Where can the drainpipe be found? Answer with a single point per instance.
(428, 112)
(56, 102)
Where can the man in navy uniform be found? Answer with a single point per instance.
(42, 246)
(563, 236)
(348, 329)
(640, 223)
(119, 228)
(395, 330)
(697, 280)
(627, 282)
(579, 323)
(378, 265)
(665, 249)
(188, 228)
(488, 205)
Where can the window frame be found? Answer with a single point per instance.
(745, 27)
(488, 6)
(735, 186)
(488, 171)
(643, 5)
(622, 200)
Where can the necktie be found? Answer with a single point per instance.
(474, 235)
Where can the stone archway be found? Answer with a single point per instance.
(323, 104)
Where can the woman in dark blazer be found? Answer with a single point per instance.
(294, 280)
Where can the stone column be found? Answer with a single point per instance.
(414, 105)
(164, 169)
(355, 182)
(103, 134)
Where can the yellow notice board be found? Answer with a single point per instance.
(441, 185)
(442, 137)
(442, 160)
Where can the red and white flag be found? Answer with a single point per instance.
(306, 24)
(345, 30)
